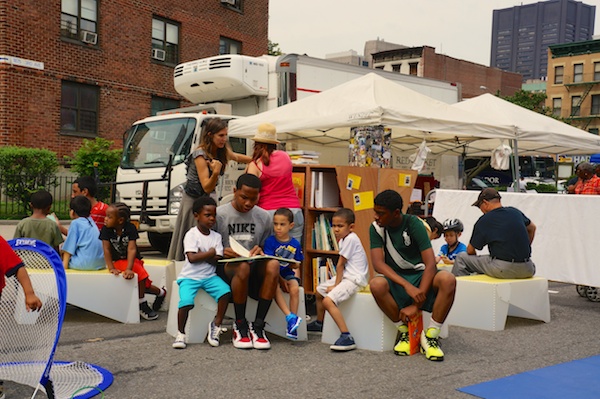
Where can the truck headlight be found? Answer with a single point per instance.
(175, 197)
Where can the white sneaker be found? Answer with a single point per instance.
(259, 338)
(213, 334)
(180, 341)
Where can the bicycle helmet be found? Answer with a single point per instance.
(453, 225)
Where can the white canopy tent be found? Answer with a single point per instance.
(535, 133)
(326, 118)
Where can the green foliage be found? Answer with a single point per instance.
(24, 171)
(95, 158)
(529, 100)
(273, 48)
(544, 188)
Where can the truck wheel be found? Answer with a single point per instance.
(593, 294)
(160, 241)
(582, 290)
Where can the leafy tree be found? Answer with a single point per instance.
(273, 48)
(24, 171)
(534, 102)
(530, 100)
(95, 158)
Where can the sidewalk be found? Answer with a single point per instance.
(145, 366)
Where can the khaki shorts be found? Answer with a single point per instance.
(343, 291)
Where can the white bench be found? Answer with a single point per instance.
(205, 309)
(368, 325)
(105, 294)
(113, 296)
(162, 274)
(484, 302)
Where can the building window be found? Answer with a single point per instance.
(79, 109)
(559, 73)
(556, 106)
(396, 67)
(161, 104)
(575, 100)
(413, 68)
(233, 4)
(229, 46)
(577, 73)
(165, 40)
(596, 71)
(79, 20)
(595, 104)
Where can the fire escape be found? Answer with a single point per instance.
(573, 86)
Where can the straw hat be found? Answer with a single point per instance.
(266, 133)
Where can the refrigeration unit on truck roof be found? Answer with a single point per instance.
(224, 77)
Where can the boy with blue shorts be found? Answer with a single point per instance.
(203, 247)
(282, 244)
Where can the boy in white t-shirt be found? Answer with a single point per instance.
(351, 276)
(203, 247)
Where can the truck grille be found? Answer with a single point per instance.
(154, 205)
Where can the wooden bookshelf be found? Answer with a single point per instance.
(372, 181)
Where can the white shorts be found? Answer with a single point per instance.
(343, 291)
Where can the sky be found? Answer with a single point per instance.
(458, 28)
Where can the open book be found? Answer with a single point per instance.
(245, 254)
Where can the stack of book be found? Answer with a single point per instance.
(323, 236)
(325, 192)
(323, 269)
(304, 157)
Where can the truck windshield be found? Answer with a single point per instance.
(150, 144)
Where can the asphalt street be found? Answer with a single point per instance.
(145, 366)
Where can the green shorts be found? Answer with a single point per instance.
(403, 299)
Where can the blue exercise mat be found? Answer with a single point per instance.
(578, 378)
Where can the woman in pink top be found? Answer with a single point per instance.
(274, 168)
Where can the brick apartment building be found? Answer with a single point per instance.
(475, 79)
(573, 87)
(76, 69)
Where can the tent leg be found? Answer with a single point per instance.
(516, 169)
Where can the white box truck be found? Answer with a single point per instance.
(152, 172)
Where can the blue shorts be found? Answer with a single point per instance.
(188, 288)
(291, 277)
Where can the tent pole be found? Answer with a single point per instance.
(516, 171)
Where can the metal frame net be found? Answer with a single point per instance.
(28, 340)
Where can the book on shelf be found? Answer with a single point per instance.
(315, 187)
(333, 240)
(331, 267)
(325, 190)
(298, 180)
(315, 273)
(321, 270)
(323, 225)
(322, 234)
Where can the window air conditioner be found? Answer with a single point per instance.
(158, 54)
(89, 37)
(230, 2)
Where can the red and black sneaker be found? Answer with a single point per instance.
(241, 335)
(259, 338)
